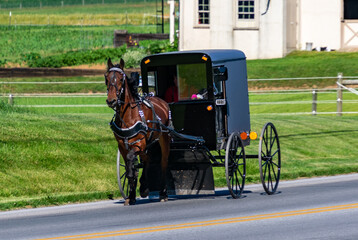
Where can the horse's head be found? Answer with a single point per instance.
(114, 79)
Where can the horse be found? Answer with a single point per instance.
(138, 122)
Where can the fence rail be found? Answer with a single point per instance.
(60, 3)
(314, 102)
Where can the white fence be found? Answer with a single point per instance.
(342, 86)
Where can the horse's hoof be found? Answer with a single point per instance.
(164, 199)
(128, 202)
(144, 193)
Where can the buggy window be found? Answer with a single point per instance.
(152, 76)
(218, 89)
(192, 83)
(178, 82)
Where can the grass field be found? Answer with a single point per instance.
(31, 4)
(304, 64)
(54, 88)
(51, 156)
(57, 158)
(54, 155)
(55, 30)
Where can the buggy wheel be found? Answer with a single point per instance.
(235, 165)
(122, 176)
(269, 158)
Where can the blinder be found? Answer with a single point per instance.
(113, 82)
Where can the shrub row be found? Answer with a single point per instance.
(132, 56)
(3, 62)
(72, 58)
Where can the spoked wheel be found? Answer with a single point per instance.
(269, 158)
(122, 176)
(235, 165)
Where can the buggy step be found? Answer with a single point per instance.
(179, 137)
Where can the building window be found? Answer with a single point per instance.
(247, 14)
(246, 9)
(350, 9)
(203, 12)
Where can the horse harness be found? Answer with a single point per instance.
(140, 127)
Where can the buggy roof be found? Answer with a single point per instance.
(216, 55)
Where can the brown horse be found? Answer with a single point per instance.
(137, 124)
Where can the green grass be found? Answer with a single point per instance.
(300, 102)
(7, 88)
(55, 40)
(305, 64)
(90, 9)
(45, 156)
(55, 30)
(29, 5)
(54, 158)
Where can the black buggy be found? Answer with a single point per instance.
(211, 123)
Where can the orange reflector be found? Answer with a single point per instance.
(147, 61)
(204, 58)
(253, 135)
(243, 135)
(209, 108)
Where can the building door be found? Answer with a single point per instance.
(349, 25)
(291, 25)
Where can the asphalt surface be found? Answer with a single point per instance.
(320, 208)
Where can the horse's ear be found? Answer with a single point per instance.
(121, 64)
(109, 63)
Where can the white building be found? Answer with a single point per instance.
(268, 29)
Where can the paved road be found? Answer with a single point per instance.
(321, 208)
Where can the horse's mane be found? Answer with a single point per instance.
(133, 88)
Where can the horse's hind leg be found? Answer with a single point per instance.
(165, 148)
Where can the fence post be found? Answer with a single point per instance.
(339, 94)
(11, 99)
(314, 102)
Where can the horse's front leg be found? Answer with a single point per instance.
(132, 175)
(164, 142)
(144, 188)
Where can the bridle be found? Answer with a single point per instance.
(113, 83)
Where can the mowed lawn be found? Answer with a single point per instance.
(55, 155)
(54, 158)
